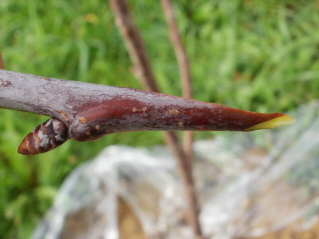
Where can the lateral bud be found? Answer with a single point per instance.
(45, 137)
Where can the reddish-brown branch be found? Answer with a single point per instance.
(184, 68)
(91, 111)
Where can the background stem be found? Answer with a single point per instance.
(143, 71)
(184, 69)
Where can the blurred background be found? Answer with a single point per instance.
(251, 54)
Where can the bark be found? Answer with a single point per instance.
(84, 106)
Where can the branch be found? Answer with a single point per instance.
(91, 111)
(120, 109)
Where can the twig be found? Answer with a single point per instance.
(135, 45)
(87, 112)
(139, 57)
(185, 172)
(184, 69)
(129, 109)
(180, 53)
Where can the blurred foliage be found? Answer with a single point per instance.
(250, 54)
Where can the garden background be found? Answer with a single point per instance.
(251, 54)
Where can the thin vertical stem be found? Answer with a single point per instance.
(179, 49)
(185, 171)
(134, 44)
(143, 71)
(184, 68)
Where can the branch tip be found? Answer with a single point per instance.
(278, 121)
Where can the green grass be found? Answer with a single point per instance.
(255, 55)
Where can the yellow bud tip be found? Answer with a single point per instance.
(281, 120)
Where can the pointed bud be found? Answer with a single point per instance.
(44, 138)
